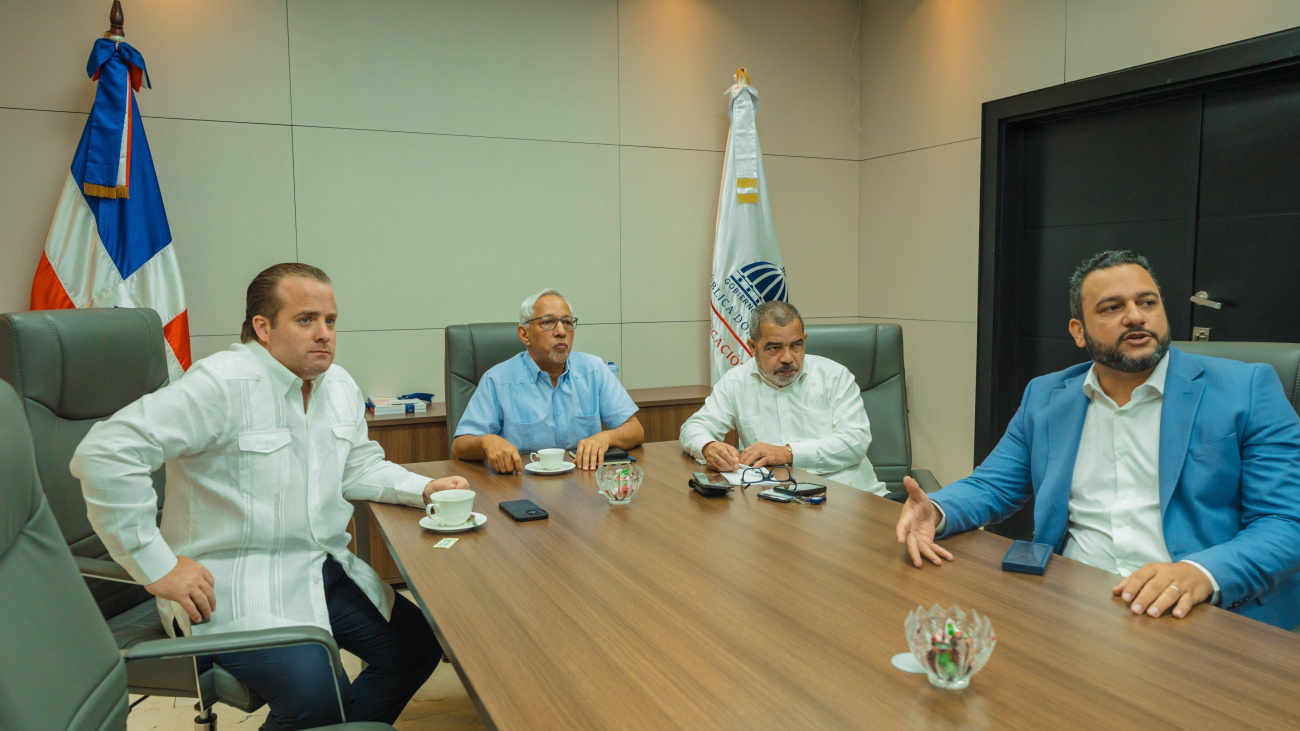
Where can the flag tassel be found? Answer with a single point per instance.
(104, 191)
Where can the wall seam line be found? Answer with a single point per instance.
(293, 153)
(918, 149)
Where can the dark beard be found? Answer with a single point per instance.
(1111, 357)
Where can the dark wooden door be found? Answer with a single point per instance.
(1248, 243)
(1206, 186)
(1124, 179)
(1193, 161)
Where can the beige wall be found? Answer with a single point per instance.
(927, 66)
(442, 160)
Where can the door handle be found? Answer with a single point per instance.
(1202, 298)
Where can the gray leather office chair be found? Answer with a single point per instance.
(874, 354)
(74, 368)
(75, 677)
(1284, 357)
(471, 351)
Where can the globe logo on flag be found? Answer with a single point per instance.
(758, 283)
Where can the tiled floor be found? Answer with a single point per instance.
(441, 705)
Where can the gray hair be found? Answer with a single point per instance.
(776, 312)
(526, 309)
(1104, 260)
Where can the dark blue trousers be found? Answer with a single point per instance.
(298, 684)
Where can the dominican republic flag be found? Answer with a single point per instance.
(109, 244)
(747, 268)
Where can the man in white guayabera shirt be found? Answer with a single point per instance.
(264, 445)
(787, 408)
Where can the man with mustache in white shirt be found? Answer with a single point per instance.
(264, 445)
(787, 407)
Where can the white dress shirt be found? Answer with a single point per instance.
(819, 415)
(257, 490)
(1114, 517)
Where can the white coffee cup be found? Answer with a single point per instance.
(551, 459)
(450, 508)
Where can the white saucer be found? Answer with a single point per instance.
(537, 468)
(478, 519)
(907, 662)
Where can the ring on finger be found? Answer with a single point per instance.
(1175, 588)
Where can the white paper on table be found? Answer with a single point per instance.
(733, 478)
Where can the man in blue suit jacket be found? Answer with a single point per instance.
(1180, 472)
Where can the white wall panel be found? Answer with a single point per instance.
(676, 57)
(389, 363)
(423, 231)
(1108, 35)
(536, 70)
(665, 354)
(940, 362)
(228, 191)
(669, 212)
(814, 206)
(920, 234)
(224, 60)
(603, 341)
(35, 155)
(201, 346)
(927, 65)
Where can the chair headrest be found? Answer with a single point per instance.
(20, 496)
(473, 349)
(83, 364)
(1283, 357)
(873, 352)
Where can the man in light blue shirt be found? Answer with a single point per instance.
(547, 396)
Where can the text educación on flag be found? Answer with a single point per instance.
(109, 244)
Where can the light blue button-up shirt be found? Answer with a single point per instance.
(515, 400)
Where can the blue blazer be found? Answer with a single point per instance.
(1229, 473)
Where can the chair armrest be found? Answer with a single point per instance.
(98, 568)
(261, 639)
(926, 480)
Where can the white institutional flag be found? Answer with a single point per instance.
(747, 268)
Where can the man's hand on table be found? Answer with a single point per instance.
(721, 457)
(590, 453)
(916, 526)
(1156, 587)
(455, 482)
(189, 585)
(764, 455)
(501, 454)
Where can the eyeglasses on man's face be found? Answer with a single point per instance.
(548, 322)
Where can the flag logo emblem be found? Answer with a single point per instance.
(758, 283)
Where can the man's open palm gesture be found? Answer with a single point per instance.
(916, 526)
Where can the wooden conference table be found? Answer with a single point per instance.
(679, 611)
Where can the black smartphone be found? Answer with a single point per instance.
(802, 489)
(523, 510)
(1027, 558)
(614, 455)
(701, 483)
